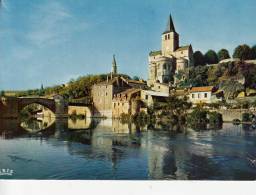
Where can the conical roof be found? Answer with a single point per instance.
(170, 26)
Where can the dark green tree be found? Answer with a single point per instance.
(211, 57)
(2, 93)
(223, 54)
(198, 58)
(136, 78)
(243, 52)
(198, 76)
(253, 52)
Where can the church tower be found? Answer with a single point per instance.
(114, 66)
(170, 39)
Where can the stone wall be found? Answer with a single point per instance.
(102, 100)
(79, 110)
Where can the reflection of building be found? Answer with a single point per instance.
(170, 59)
(204, 95)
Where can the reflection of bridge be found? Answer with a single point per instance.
(11, 106)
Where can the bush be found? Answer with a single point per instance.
(215, 118)
(246, 117)
(197, 116)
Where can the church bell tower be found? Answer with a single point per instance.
(170, 39)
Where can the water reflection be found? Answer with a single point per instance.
(109, 149)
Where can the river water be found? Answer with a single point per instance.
(108, 149)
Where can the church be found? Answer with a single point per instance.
(171, 59)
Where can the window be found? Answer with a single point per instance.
(168, 36)
(205, 95)
(114, 105)
(146, 97)
(106, 93)
(164, 66)
(198, 95)
(193, 95)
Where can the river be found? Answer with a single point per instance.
(108, 149)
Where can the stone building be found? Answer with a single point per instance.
(126, 102)
(170, 59)
(207, 94)
(104, 92)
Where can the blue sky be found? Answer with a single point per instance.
(52, 41)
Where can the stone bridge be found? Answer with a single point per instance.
(10, 107)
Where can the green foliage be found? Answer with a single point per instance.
(249, 73)
(253, 52)
(136, 78)
(223, 54)
(198, 76)
(2, 93)
(215, 118)
(197, 116)
(231, 88)
(175, 109)
(243, 52)
(76, 88)
(198, 58)
(211, 57)
(246, 117)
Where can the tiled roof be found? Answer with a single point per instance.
(201, 89)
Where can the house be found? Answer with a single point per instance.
(126, 102)
(161, 87)
(103, 93)
(207, 94)
(149, 97)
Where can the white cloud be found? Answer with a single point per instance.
(4, 4)
(52, 23)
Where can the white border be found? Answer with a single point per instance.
(38, 187)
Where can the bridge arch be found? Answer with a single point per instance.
(47, 103)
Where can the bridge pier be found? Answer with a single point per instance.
(9, 107)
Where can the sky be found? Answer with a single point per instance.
(50, 42)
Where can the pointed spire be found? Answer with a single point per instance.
(170, 26)
(114, 66)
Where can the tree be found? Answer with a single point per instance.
(198, 76)
(253, 52)
(223, 54)
(231, 88)
(198, 58)
(211, 57)
(243, 52)
(1, 93)
(136, 78)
